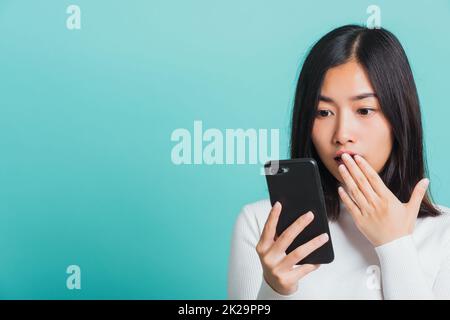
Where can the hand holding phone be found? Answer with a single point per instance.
(296, 232)
(278, 268)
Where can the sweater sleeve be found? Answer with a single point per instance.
(402, 276)
(245, 275)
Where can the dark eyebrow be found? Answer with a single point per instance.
(325, 99)
(364, 95)
(354, 98)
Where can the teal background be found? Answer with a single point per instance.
(86, 116)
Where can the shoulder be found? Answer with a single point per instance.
(254, 214)
(443, 209)
(438, 227)
(442, 220)
(258, 210)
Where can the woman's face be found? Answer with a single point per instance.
(349, 118)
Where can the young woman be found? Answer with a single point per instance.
(356, 112)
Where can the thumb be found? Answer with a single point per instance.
(418, 193)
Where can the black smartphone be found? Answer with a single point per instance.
(296, 185)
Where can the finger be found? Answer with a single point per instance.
(374, 179)
(288, 235)
(351, 206)
(303, 251)
(269, 230)
(353, 189)
(418, 193)
(360, 178)
(301, 271)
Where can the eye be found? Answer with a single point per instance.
(323, 113)
(365, 111)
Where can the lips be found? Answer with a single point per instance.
(338, 158)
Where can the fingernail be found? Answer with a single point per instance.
(345, 156)
(425, 183)
(309, 215)
(277, 205)
(324, 237)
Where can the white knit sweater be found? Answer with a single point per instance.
(411, 267)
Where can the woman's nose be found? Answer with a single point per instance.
(344, 132)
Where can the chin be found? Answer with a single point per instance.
(335, 174)
(338, 180)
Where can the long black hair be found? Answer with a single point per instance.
(380, 53)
